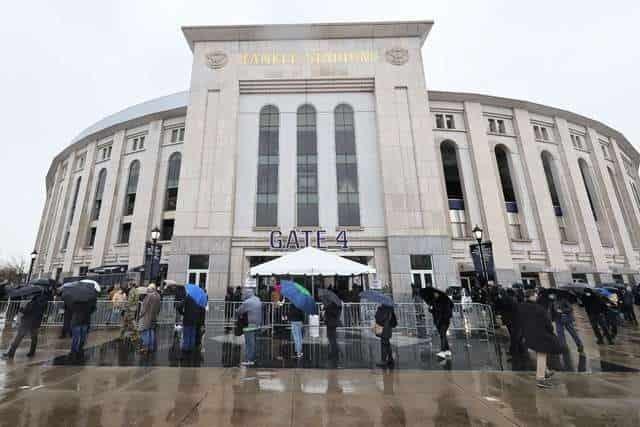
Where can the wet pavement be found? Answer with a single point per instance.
(116, 387)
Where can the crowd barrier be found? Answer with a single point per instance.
(413, 317)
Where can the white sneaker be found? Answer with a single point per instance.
(299, 355)
(442, 354)
(448, 354)
(248, 363)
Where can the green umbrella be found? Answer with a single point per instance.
(302, 289)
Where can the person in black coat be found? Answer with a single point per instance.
(32, 314)
(332, 318)
(506, 306)
(386, 318)
(539, 336)
(193, 317)
(596, 310)
(442, 310)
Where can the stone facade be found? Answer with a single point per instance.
(406, 207)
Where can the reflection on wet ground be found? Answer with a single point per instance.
(359, 350)
(115, 387)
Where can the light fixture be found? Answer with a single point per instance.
(155, 233)
(34, 254)
(477, 233)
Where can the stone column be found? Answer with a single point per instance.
(542, 205)
(493, 208)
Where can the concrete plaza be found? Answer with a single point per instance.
(115, 387)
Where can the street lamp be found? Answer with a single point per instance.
(155, 235)
(477, 233)
(34, 255)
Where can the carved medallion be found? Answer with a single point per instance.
(397, 56)
(217, 59)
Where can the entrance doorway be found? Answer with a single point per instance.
(198, 270)
(530, 280)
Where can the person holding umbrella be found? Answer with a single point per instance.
(251, 307)
(193, 311)
(595, 307)
(301, 303)
(81, 297)
(332, 312)
(385, 322)
(441, 308)
(562, 315)
(31, 320)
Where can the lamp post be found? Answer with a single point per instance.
(477, 233)
(34, 255)
(155, 235)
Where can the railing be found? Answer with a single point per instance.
(413, 317)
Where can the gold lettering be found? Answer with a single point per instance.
(245, 58)
(254, 59)
(365, 56)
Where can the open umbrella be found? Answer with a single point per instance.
(559, 293)
(329, 297)
(95, 284)
(377, 297)
(197, 294)
(299, 296)
(429, 293)
(45, 283)
(78, 292)
(25, 291)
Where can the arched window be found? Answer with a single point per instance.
(508, 192)
(636, 195)
(347, 167)
(267, 189)
(132, 185)
(589, 187)
(307, 166)
(630, 223)
(549, 173)
(453, 185)
(173, 176)
(72, 212)
(97, 201)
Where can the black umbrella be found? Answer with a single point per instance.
(25, 291)
(46, 283)
(78, 292)
(557, 293)
(329, 297)
(428, 294)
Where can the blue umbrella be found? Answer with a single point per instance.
(604, 292)
(197, 294)
(291, 291)
(377, 297)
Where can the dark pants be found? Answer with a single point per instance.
(188, 338)
(23, 331)
(442, 331)
(66, 323)
(598, 322)
(563, 322)
(332, 336)
(385, 350)
(149, 339)
(630, 314)
(79, 338)
(612, 321)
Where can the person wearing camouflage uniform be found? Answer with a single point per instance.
(129, 328)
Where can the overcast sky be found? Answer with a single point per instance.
(66, 64)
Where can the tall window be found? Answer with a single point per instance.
(453, 185)
(75, 200)
(421, 271)
(173, 176)
(623, 208)
(307, 147)
(508, 192)
(267, 191)
(553, 191)
(132, 185)
(347, 167)
(588, 185)
(97, 203)
(636, 195)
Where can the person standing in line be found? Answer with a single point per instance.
(149, 312)
(442, 310)
(30, 322)
(332, 318)
(611, 314)
(296, 320)
(251, 307)
(385, 317)
(228, 306)
(117, 304)
(80, 321)
(129, 330)
(562, 315)
(193, 317)
(538, 334)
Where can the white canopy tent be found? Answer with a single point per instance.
(311, 262)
